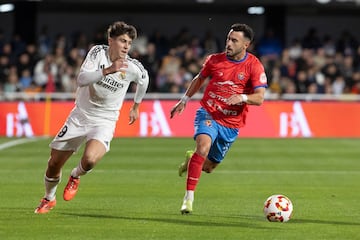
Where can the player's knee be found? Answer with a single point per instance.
(54, 164)
(207, 169)
(202, 151)
(88, 162)
(209, 166)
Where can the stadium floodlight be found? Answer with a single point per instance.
(7, 7)
(256, 10)
(323, 1)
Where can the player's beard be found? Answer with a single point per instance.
(230, 53)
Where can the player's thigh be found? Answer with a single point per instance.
(70, 137)
(222, 143)
(203, 144)
(94, 151)
(103, 134)
(205, 131)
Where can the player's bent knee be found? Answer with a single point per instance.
(209, 166)
(208, 170)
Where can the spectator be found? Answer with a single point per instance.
(151, 63)
(338, 85)
(25, 79)
(347, 44)
(45, 72)
(12, 83)
(44, 42)
(4, 69)
(161, 43)
(23, 62)
(301, 82)
(295, 49)
(210, 43)
(322, 59)
(329, 46)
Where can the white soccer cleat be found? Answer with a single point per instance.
(186, 207)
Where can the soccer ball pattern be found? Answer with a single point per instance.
(278, 208)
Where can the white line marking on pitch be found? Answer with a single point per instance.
(16, 142)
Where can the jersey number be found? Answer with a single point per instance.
(63, 131)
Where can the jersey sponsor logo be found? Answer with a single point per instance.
(219, 108)
(110, 84)
(216, 96)
(228, 82)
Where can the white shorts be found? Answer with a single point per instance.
(77, 129)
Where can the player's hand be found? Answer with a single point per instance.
(118, 64)
(133, 115)
(178, 108)
(235, 99)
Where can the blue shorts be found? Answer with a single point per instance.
(221, 137)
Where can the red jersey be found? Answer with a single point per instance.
(228, 77)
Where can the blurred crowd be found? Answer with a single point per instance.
(310, 64)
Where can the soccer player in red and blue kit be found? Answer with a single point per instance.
(236, 79)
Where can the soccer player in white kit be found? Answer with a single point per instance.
(103, 81)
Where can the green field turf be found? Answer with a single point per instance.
(135, 192)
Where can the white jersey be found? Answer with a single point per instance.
(102, 100)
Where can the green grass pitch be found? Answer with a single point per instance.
(135, 192)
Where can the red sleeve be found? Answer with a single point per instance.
(258, 76)
(205, 70)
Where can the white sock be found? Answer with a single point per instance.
(189, 195)
(50, 187)
(78, 171)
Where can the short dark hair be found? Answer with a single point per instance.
(119, 28)
(241, 27)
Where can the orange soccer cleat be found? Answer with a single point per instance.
(45, 205)
(71, 188)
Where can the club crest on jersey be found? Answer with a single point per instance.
(122, 74)
(241, 76)
(208, 123)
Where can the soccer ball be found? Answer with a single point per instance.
(278, 208)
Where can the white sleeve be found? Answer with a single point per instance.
(86, 78)
(141, 88)
(90, 71)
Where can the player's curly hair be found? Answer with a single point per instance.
(242, 27)
(119, 28)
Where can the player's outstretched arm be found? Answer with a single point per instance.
(194, 86)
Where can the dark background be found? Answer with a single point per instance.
(289, 19)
